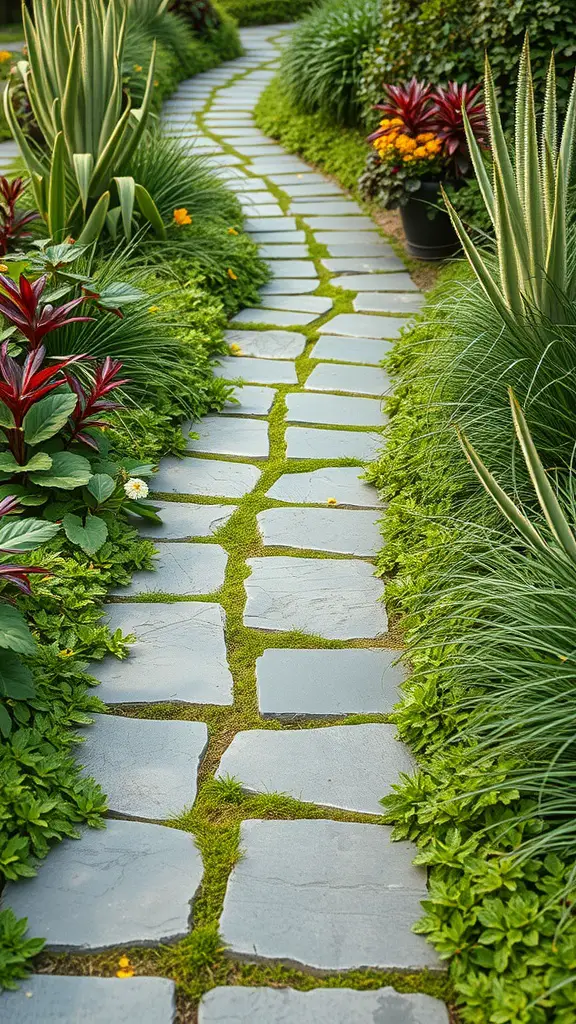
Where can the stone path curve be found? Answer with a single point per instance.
(321, 894)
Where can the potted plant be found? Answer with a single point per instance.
(419, 147)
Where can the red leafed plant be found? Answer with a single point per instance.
(17, 575)
(12, 221)
(92, 403)
(21, 306)
(412, 103)
(448, 120)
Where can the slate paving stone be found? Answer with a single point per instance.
(183, 569)
(365, 248)
(316, 893)
(148, 769)
(226, 160)
(243, 1005)
(262, 209)
(263, 149)
(339, 531)
(179, 655)
(340, 225)
(268, 224)
(284, 252)
(311, 443)
(241, 183)
(274, 317)
(338, 599)
(320, 683)
(270, 165)
(278, 237)
(268, 344)
(316, 486)
(205, 477)
(288, 286)
(361, 380)
(308, 764)
(230, 435)
(302, 190)
(131, 884)
(259, 371)
(321, 209)
(306, 176)
(375, 283)
(318, 304)
(293, 268)
(351, 350)
(396, 302)
(360, 325)
(305, 407)
(53, 999)
(350, 236)
(251, 401)
(249, 200)
(183, 519)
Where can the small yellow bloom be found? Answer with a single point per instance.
(231, 274)
(138, 67)
(181, 216)
(421, 151)
(153, 309)
(156, 83)
(124, 962)
(235, 349)
(232, 231)
(66, 653)
(3, 268)
(125, 973)
(331, 501)
(5, 55)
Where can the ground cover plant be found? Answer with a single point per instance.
(266, 12)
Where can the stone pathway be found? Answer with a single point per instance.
(320, 894)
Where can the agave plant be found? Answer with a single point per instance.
(526, 201)
(73, 82)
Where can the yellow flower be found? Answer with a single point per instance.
(421, 151)
(408, 158)
(331, 501)
(124, 962)
(425, 137)
(232, 231)
(66, 653)
(235, 349)
(5, 55)
(138, 67)
(181, 216)
(125, 973)
(231, 274)
(3, 268)
(397, 120)
(153, 309)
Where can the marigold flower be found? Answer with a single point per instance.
(331, 501)
(231, 274)
(232, 231)
(235, 349)
(136, 488)
(3, 268)
(181, 216)
(408, 158)
(421, 152)
(5, 55)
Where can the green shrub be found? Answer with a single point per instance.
(265, 12)
(322, 63)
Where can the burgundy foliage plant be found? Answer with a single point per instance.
(92, 403)
(13, 223)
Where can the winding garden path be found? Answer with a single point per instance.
(264, 609)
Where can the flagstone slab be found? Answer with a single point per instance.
(360, 325)
(292, 268)
(268, 344)
(260, 371)
(288, 286)
(268, 224)
(148, 769)
(241, 183)
(303, 407)
(184, 569)
(350, 767)
(273, 165)
(226, 160)
(230, 435)
(366, 247)
(338, 531)
(306, 176)
(262, 149)
(54, 999)
(296, 682)
(395, 302)
(318, 304)
(312, 443)
(310, 190)
(284, 252)
(376, 283)
(361, 380)
(349, 236)
(251, 400)
(338, 599)
(131, 884)
(243, 1005)
(278, 237)
(249, 200)
(326, 209)
(351, 350)
(184, 519)
(263, 210)
(205, 477)
(276, 318)
(346, 224)
(179, 655)
(318, 486)
(326, 895)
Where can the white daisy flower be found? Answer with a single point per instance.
(136, 488)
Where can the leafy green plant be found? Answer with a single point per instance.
(16, 950)
(266, 12)
(74, 87)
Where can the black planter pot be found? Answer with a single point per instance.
(428, 238)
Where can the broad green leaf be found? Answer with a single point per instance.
(57, 205)
(67, 471)
(150, 211)
(120, 293)
(140, 508)
(25, 534)
(93, 226)
(6, 417)
(90, 536)
(48, 416)
(14, 632)
(126, 186)
(101, 486)
(16, 680)
(83, 167)
(39, 461)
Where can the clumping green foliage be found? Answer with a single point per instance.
(266, 12)
(322, 63)
(15, 949)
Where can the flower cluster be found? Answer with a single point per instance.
(394, 142)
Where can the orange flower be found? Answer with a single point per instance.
(5, 55)
(232, 231)
(181, 216)
(231, 274)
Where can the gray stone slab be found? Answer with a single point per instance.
(264, 210)
(226, 160)
(302, 190)
(230, 435)
(260, 149)
(308, 177)
(205, 477)
(179, 655)
(348, 236)
(364, 246)
(327, 895)
(241, 183)
(268, 344)
(284, 252)
(293, 268)
(248, 200)
(318, 486)
(148, 769)
(295, 682)
(130, 885)
(184, 569)
(350, 767)
(360, 380)
(261, 371)
(311, 443)
(268, 224)
(329, 211)
(251, 401)
(351, 350)
(53, 999)
(338, 599)
(289, 286)
(360, 325)
(396, 302)
(272, 165)
(303, 407)
(335, 530)
(274, 317)
(242, 1005)
(375, 283)
(184, 519)
(277, 237)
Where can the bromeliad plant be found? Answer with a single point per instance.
(13, 222)
(73, 82)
